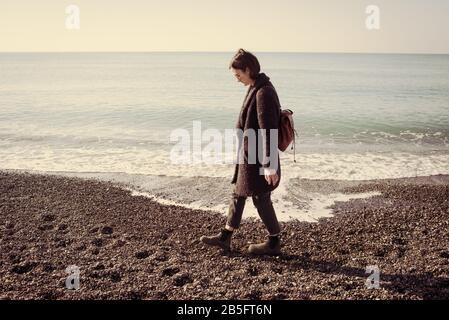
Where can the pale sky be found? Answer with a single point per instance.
(406, 26)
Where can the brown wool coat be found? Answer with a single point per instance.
(260, 110)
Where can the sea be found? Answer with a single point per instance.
(117, 116)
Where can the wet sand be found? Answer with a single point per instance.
(131, 247)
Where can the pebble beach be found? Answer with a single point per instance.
(131, 247)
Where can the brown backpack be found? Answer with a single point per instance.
(287, 132)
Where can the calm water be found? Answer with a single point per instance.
(359, 116)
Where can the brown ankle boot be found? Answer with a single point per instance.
(271, 247)
(221, 240)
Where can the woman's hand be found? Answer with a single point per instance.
(271, 176)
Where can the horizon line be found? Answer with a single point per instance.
(216, 51)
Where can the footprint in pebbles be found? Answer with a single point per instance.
(142, 254)
(48, 217)
(23, 268)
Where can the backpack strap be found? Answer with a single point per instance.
(294, 133)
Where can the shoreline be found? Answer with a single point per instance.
(130, 247)
(298, 199)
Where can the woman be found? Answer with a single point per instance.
(260, 110)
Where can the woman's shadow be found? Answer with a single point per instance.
(422, 286)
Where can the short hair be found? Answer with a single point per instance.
(244, 59)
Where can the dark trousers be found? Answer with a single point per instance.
(264, 207)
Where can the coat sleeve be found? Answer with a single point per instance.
(268, 114)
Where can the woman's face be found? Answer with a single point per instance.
(242, 76)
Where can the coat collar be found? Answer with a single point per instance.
(261, 80)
